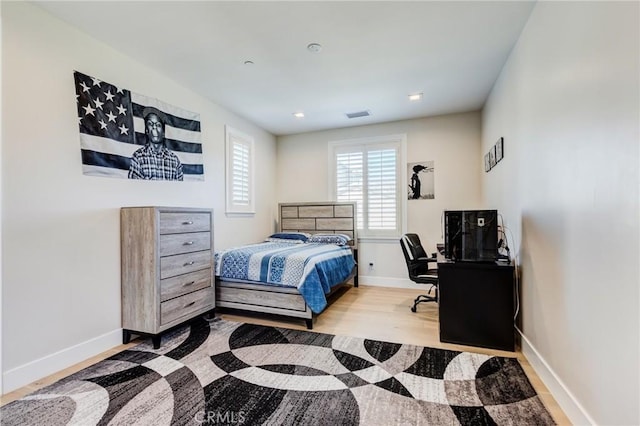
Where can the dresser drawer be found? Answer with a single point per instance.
(184, 243)
(186, 305)
(182, 284)
(170, 266)
(175, 223)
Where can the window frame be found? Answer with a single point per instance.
(233, 137)
(398, 141)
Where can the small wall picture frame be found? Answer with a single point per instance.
(499, 150)
(487, 163)
(492, 156)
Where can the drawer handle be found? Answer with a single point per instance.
(189, 222)
(188, 284)
(189, 263)
(189, 304)
(188, 243)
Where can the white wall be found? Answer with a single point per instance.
(567, 104)
(452, 141)
(60, 229)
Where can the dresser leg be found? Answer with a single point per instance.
(156, 341)
(210, 315)
(126, 336)
(309, 323)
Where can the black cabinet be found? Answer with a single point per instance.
(476, 305)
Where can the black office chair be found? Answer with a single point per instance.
(418, 266)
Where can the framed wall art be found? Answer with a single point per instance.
(492, 156)
(420, 176)
(122, 134)
(499, 149)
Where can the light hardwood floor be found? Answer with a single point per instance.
(372, 312)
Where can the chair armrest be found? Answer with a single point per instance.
(420, 265)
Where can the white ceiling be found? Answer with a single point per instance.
(374, 54)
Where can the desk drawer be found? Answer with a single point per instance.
(184, 243)
(186, 283)
(175, 223)
(186, 305)
(171, 266)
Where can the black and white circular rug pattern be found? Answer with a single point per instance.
(224, 372)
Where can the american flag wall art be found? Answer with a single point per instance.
(126, 135)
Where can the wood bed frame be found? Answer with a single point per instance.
(313, 217)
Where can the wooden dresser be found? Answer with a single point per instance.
(167, 268)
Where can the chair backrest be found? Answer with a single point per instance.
(411, 247)
(418, 269)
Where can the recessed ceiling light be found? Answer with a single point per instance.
(415, 97)
(298, 114)
(314, 47)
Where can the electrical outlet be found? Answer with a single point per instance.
(481, 221)
(371, 266)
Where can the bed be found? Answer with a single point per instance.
(274, 290)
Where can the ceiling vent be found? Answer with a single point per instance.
(358, 114)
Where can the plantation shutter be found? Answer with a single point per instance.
(240, 175)
(350, 180)
(382, 189)
(368, 173)
(240, 196)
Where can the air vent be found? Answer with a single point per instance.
(358, 114)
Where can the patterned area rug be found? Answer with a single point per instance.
(232, 373)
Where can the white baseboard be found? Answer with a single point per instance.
(563, 396)
(47, 365)
(388, 282)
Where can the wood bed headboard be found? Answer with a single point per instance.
(326, 217)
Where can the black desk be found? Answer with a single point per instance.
(476, 304)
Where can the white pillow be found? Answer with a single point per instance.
(339, 239)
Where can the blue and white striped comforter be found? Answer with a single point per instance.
(312, 268)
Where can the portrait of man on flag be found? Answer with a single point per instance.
(126, 135)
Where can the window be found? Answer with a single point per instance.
(368, 171)
(240, 194)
